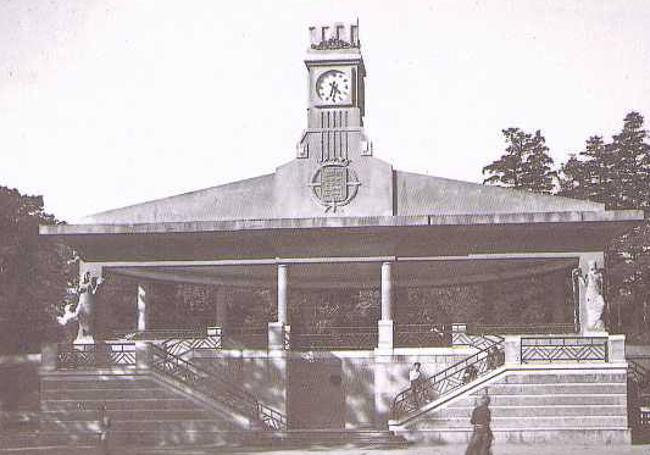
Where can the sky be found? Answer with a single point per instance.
(107, 103)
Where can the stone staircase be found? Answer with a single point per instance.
(143, 411)
(172, 403)
(532, 404)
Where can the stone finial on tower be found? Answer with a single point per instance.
(334, 36)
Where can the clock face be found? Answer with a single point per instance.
(333, 87)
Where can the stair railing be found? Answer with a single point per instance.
(457, 375)
(177, 341)
(638, 401)
(216, 388)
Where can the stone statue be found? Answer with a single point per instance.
(83, 313)
(594, 301)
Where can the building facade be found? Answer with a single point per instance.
(327, 279)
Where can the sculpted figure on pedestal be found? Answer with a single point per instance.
(594, 301)
(83, 313)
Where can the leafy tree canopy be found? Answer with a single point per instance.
(35, 272)
(525, 164)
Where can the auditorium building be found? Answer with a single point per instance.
(295, 303)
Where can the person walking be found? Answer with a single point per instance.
(104, 429)
(481, 441)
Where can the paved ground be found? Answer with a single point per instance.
(460, 450)
(499, 449)
(414, 450)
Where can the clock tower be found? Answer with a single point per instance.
(336, 92)
(334, 161)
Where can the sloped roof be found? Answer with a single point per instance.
(419, 194)
(260, 198)
(240, 200)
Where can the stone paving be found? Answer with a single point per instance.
(519, 449)
(460, 450)
(503, 449)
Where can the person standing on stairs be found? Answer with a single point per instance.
(415, 377)
(481, 440)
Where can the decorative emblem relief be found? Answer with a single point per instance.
(334, 184)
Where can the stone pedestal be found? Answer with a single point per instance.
(512, 350)
(277, 379)
(383, 390)
(49, 355)
(616, 348)
(142, 355)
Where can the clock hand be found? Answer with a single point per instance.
(334, 90)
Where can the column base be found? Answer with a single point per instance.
(276, 336)
(385, 335)
(83, 341)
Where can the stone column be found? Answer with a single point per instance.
(221, 307)
(585, 259)
(276, 329)
(142, 307)
(283, 278)
(385, 324)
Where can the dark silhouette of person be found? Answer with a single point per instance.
(481, 440)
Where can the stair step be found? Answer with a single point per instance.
(117, 404)
(536, 400)
(564, 378)
(143, 415)
(107, 394)
(499, 388)
(95, 382)
(179, 425)
(539, 411)
(547, 436)
(528, 422)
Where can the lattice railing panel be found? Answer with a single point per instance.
(449, 379)
(422, 335)
(563, 349)
(181, 346)
(88, 356)
(76, 357)
(216, 388)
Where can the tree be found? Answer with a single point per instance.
(35, 272)
(588, 175)
(525, 164)
(618, 175)
(632, 165)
